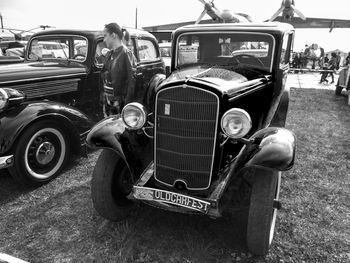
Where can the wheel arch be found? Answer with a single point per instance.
(63, 123)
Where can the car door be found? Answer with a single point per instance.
(149, 63)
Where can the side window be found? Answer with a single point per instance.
(100, 53)
(80, 49)
(147, 50)
(286, 49)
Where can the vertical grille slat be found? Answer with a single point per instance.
(185, 135)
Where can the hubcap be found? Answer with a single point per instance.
(45, 153)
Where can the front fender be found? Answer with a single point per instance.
(106, 134)
(13, 121)
(133, 146)
(275, 149)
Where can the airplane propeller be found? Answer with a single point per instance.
(288, 9)
(224, 15)
(210, 9)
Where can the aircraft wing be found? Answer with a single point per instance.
(311, 22)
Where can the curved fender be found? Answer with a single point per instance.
(133, 147)
(106, 134)
(276, 149)
(14, 121)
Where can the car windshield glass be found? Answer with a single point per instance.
(60, 47)
(236, 49)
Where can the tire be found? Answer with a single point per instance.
(111, 183)
(41, 151)
(262, 214)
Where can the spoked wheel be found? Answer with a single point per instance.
(262, 213)
(110, 185)
(40, 153)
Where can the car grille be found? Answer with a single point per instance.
(185, 136)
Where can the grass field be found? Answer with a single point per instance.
(57, 223)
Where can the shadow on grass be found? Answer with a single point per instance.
(65, 226)
(10, 189)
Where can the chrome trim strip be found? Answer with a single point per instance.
(231, 33)
(6, 161)
(41, 78)
(215, 136)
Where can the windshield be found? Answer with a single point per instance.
(236, 49)
(58, 47)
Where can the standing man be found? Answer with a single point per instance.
(118, 72)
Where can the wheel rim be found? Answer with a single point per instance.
(45, 153)
(274, 212)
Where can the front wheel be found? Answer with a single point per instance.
(110, 185)
(262, 213)
(41, 152)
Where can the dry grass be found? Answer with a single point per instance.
(57, 223)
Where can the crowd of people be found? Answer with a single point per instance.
(325, 63)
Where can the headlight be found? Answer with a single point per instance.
(236, 123)
(134, 115)
(3, 99)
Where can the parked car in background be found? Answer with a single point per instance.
(12, 51)
(210, 137)
(49, 104)
(165, 51)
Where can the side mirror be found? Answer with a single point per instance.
(104, 51)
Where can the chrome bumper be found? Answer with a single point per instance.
(6, 161)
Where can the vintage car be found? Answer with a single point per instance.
(49, 103)
(210, 137)
(165, 52)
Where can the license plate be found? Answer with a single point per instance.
(151, 194)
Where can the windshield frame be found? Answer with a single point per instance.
(271, 50)
(53, 36)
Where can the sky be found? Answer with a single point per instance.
(88, 14)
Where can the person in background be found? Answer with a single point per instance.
(338, 59)
(347, 60)
(332, 64)
(118, 71)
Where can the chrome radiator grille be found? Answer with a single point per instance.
(185, 135)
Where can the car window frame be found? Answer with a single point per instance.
(156, 47)
(53, 36)
(273, 48)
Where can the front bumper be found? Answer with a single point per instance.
(6, 161)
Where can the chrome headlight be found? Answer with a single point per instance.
(4, 98)
(134, 115)
(236, 123)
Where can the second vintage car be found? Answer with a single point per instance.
(210, 137)
(49, 103)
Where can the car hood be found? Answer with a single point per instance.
(38, 70)
(221, 78)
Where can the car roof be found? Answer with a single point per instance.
(92, 33)
(258, 27)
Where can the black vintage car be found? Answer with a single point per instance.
(49, 103)
(210, 136)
